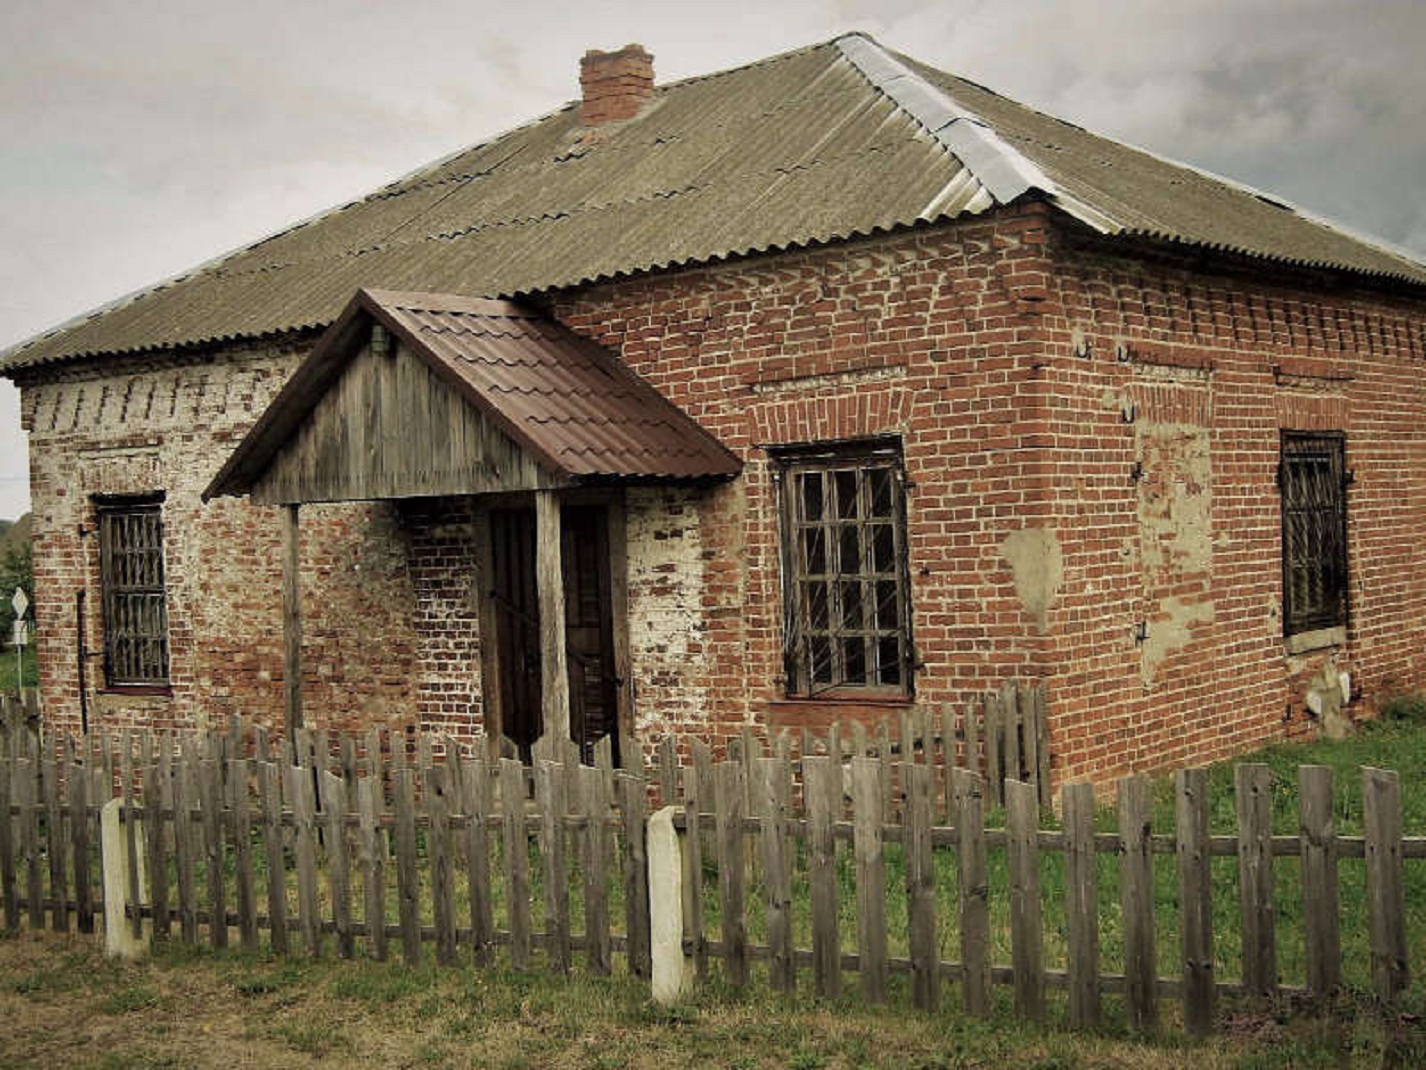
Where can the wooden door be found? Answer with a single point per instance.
(589, 631)
(517, 625)
(589, 634)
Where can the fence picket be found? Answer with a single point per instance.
(974, 889)
(1011, 725)
(1386, 903)
(822, 790)
(408, 881)
(1136, 890)
(77, 798)
(131, 829)
(633, 799)
(870, 878)
(994, 748)
(334, 812)
(728, 804)
(593, 856)
(948, 762)
(1196, 899)
(211, 803)
(477, 785)
(158, 810)
(1022, 806)
(1318, 850)
(693, 806)
(1253, 801)
(440, 863)
(553, 797)
(921, 888)
(185, 849)
(8, 870)
(1081, 904)
(54, 847)
(240, 833)
(270, 790)
(373, 864)
(774, 788)
(24, 780)
(1030, 727)
(304, 832)
(517, 861)
(668, 770)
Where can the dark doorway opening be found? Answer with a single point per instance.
(589, 630)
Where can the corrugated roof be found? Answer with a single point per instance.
(568, 402)
(832, 141)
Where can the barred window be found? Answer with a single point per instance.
(1313, 480)
(846, 589)
(131, 581)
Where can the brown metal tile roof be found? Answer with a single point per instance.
(572, 405)
(833, 141)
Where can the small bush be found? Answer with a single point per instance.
(1409, 708)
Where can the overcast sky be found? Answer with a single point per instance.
(141, 137)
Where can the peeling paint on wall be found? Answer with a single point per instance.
(666, 622)
(1175, 513)
(1037, 563)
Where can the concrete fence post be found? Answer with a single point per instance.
(119, 938)
(672, 970)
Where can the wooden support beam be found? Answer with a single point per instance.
(291, 620)
(629, 757)
(549, 583)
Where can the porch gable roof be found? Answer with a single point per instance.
(571, 409)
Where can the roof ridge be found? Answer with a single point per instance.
(1002, 170)
(1307, 215)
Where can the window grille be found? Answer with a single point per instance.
(846, 590)
(132, 581)
(1313, 480)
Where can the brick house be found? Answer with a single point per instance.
(822, 388)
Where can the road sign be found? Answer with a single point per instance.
(21, 635)
(20, 603)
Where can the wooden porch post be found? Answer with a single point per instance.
(291, 620)
(549, 583)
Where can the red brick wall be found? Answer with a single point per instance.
(1027, 372)
(1229, 359)
(934, 337)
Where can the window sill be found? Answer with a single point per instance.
(1318, 639)
(818, 714)
(138, 690)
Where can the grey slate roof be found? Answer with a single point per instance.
(832, 141)
(568, 402)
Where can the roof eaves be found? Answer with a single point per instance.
(1158, 236)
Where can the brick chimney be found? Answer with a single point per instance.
(614, 85)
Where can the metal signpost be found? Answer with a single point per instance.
(21, 635)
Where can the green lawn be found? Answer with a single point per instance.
(10, 671)
(63, 1003)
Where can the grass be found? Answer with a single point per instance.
(203, 1009)
(11, 678)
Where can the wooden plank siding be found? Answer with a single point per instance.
(390, 427)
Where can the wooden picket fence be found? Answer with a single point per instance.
(813, 866)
